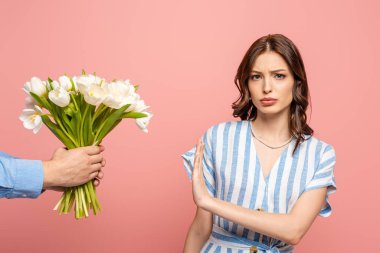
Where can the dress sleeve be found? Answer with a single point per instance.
(324, 177)
(207, 161)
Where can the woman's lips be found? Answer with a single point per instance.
(268, 102)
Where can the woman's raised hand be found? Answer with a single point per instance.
(200, 193)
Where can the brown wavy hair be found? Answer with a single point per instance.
(243, 106)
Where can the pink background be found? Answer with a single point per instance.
(185, 56)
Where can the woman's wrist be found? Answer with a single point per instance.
(207, 202)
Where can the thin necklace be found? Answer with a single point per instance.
(266, 144)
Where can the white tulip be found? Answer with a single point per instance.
(92, 88)
(84, 81)
(60, 97)
(65, 82)
(120, 93)
(36, 86)
(140, 106)
(74, 78)
(94, 95)
(31, 118)
(55, 85)
(30, 102)
(132, 100)
(142, 123)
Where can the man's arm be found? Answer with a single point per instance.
(21, 178)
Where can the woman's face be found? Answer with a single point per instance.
(271, 78)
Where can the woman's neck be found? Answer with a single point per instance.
(272, 128)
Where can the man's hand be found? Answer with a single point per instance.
(73, 167)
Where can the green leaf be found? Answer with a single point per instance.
(83, 127)
(50, 83)
(134, 115)
(68, 111)
(41, 101)
(76, 122)
(57, 132)
(108, 124)
(68, 125)
(91, 135)
(90, 113)
(136, 87)
(114, 125)
(72, 84)
(101, 117)
(88, 135)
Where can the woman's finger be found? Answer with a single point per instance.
(96, 182)
(201, 164)
(201, 155)
(196, 158)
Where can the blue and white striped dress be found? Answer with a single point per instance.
(233, 173)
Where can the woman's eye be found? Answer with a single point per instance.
(253, 77)
(281, 76)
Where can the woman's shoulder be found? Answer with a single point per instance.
(227, 124)
(320, 145)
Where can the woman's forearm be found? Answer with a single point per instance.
(195, 239)
(279, 226)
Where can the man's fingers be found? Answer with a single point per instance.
(95, 167)
(100, 174)
(93, 175)
(96, 182)
(104, 162)
(96, 158)
(93, 150)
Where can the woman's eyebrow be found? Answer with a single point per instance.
(272, 71)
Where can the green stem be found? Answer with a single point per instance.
(98, 112)
(64, 130)
(72, 199)
(62, 205)
(82, 125)
(93, 196)
(76, 204)
(75, 102)
(84, 202)
(87, 193)
(100, 129)
(67, 200)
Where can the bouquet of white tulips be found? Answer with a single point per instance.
(81, 111)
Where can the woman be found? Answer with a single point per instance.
(262, 180)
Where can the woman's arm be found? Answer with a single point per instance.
(199, 231)
(289, 227)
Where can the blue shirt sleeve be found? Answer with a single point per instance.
(324, 177)
(20, 178)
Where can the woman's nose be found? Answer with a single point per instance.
(267, 86)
